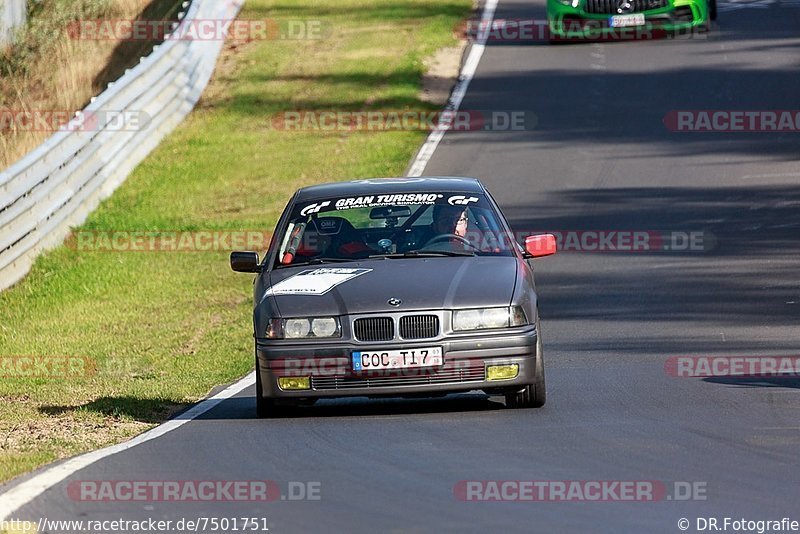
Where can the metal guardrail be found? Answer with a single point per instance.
(57, 185)
(12, 15)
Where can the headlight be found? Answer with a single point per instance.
(467, 320)
(324, 327)
(494, 318)
(303, 328)
(294, 328)
(485, 318)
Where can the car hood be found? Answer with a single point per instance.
(419, 283)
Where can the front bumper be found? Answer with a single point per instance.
(466, 358)
(574, 23)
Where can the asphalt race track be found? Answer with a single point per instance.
(599, 159)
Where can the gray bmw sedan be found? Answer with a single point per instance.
(395, 287)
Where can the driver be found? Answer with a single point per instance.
(447, 220)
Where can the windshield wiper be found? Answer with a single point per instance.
(317, 261)
(425, 254)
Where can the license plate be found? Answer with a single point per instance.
(621, 21)
(397, 359)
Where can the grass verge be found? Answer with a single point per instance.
(160, 329)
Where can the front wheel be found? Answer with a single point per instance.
(533, 395)
(261, 405)
(265, 407)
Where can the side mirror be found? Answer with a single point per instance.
(540, 245)
(245, 262)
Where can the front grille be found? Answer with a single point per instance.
(419, 326)
(609, 7)
(473, 373)
(374, 329)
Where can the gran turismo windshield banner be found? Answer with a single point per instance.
(391, 199)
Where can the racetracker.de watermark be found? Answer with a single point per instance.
(197, 30)
(633, 241)
(741, 366)
(629, 240)
(405, 120)
(60, 367)
(579, 490)
(168, 241)
(343, 366)
(82, 121)
(193, 491)
(66, 367)
(120, 525)
(730, 120)
(539, 31)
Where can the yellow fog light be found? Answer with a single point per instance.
(294, 382)
(502, 372)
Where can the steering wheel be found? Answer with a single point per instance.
(449, 237)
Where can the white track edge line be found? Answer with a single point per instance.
(24, 492)
(459, 92)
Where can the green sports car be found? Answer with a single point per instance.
(582, 19)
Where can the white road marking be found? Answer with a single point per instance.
(467, 73)
(24, 492)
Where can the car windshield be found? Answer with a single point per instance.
(393, 225)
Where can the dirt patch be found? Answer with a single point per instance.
(224, 73)
(441, 74)
(191, 346)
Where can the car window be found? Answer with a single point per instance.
(374, 225)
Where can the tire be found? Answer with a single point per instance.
(261, 405)
(265, 408)
(533, 395)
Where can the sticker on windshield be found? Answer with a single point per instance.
(461, 200)
(314, 208)
(314, 281)
(371, 201)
